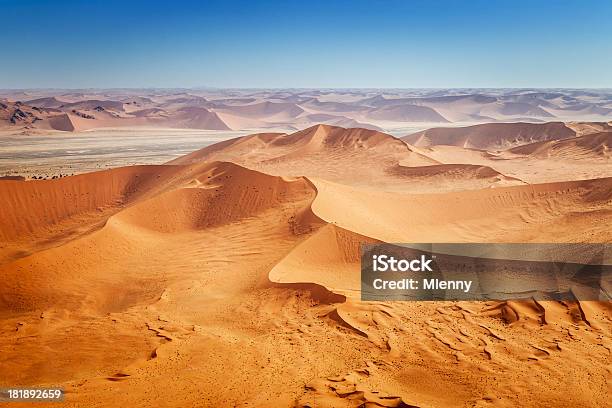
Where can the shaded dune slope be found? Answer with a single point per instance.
(38, 214)
(50, 202)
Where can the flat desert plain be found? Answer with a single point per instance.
(229, 276)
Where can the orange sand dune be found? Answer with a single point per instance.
(279, 147)
(331, 153)
(490, 334)
(519, 213)
(216, 194)
(59, 209)
(230, 277)
(454, 177)
(328, 258)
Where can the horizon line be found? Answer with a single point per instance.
(296, 88)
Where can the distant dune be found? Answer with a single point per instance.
(515, 109)
(196, 118)
(20, 116)
(62, 122)
(333, 152)
(406, 113)
(315, 139)
(94, 105)
(491, 135)
(266, 109)
(46, 102)
(450, 171)
(288, 110)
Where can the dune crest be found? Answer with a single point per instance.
(330, 152)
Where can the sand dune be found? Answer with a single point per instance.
(464, 175)
(267, 110)
(585, 128)
(491, 135)
(62, 122)
(320, 138)
(219, 193)
(505, 109)
(197, 118)
(94, 114)
(328, 258)
(520, 213)
(335, 120)
(46, 102)
(94, 104)
(230, 276)
(241, 122)
(288, 110)
(577, 164)
(114, 279)
(21, 116)
(59, 210)
(182, 199)
(331, 153)
(591, 146)
(406, 113)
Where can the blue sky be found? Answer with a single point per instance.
(365, 44)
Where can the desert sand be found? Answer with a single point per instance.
(229, 276)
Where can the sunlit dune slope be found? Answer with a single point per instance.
(505, 214)
(280, 147)
(536, 213)
(351, 156)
